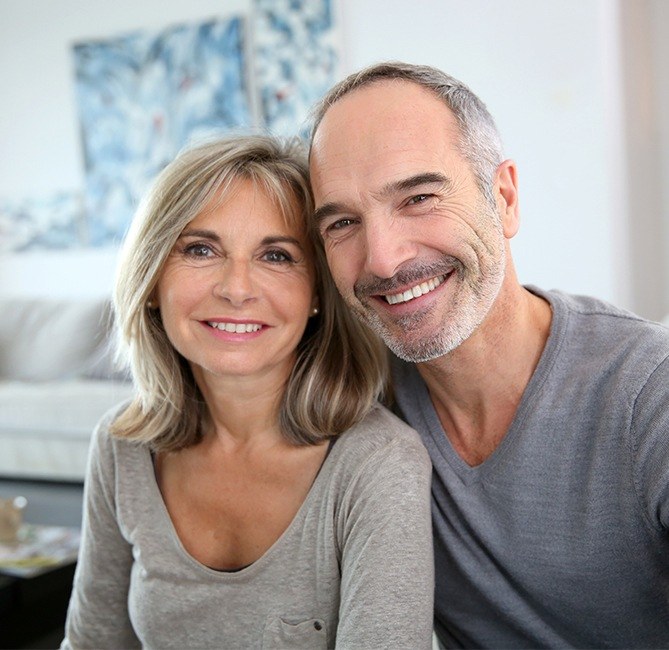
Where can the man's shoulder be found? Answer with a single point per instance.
(596, 339)
(599, 317)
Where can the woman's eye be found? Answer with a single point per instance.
(277, 256)
(198, 250)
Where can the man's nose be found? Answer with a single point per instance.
(235, 282)
(388, 246)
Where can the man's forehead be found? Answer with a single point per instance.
(382, 101)
(385, 131)
(381, 115)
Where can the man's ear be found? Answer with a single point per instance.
(506, 195)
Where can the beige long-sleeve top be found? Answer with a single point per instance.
(354, 569)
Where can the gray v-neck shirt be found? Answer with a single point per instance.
(560, 538)
(354, 569)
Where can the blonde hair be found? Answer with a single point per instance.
(341, 365)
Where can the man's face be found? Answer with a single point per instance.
(415, 250)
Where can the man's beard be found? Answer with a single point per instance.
(408, 336)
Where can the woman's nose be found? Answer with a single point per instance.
(234, 282)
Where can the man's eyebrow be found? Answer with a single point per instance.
(327, 210)
(425, 178)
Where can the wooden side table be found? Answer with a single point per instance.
(31, 608)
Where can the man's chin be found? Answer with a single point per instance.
(417, 338)
(419, 352)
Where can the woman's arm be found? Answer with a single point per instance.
(98, 612)
(387, 584)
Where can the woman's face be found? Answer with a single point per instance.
(237, 289)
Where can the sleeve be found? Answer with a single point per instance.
(387, 583)
(650, 438)
(98, 612)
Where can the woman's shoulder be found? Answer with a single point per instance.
(374, 466)
(382, 435)
(103, 442)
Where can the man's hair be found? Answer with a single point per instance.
(340, 368)
(480, 143)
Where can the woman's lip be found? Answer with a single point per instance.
(235, 325)
(222, 319)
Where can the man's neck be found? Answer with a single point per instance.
(476, 388)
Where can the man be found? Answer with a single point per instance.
(546, 415)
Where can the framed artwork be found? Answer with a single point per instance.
(51, 222)
(143, 96)
(296, 60)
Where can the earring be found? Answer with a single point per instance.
(150, 304)
(314, 311)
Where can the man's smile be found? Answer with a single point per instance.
(416, 291)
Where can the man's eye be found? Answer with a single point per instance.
(418, 199)
(277, 257)
(340, 224)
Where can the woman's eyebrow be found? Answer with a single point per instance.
(200, 232)
(213, 236)
(280, 239)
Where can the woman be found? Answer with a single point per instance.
(254, 494)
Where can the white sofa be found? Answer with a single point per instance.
(56, 380)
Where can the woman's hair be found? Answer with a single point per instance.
(479, 142)
(341, 365)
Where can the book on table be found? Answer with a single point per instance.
(39, 549)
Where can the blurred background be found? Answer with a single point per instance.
(578, 88)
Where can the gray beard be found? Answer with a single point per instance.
(463, 320)
(471, 304)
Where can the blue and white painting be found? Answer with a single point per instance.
(143, 97)
(50, 222)
(295, 60)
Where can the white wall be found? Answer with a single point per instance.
(39, 138)
(548, 71)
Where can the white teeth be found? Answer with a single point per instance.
(237, 328)
(415, 292)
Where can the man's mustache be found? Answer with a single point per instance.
(404, 277)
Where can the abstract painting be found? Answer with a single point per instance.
(42, 222)
(295, 60)
(143, 97)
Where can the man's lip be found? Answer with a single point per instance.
(414, 291)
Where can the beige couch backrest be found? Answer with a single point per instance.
(44, 340)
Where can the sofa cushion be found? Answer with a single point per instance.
(44, 340)
(45, 428)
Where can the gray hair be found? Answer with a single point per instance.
(480, 143)
(340, 368)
